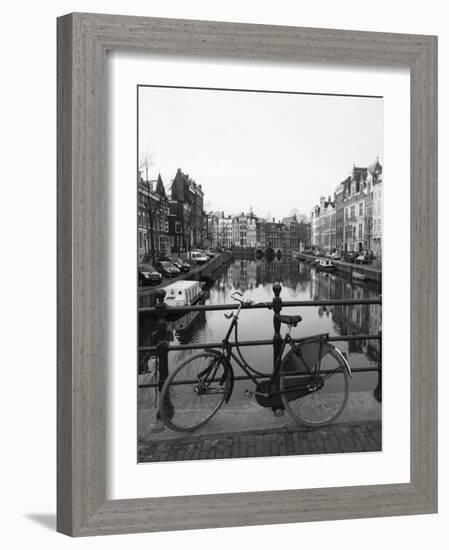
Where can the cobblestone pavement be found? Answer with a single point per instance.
(337, 438)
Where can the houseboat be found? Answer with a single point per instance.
(358, 276)
(325, 265)
(183, 293)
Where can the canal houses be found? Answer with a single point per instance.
(239, 230)
(261, 240)
(152, 217)
(186, 191)
(375, 177)
(276, 235)
(340, 215)
(251, 230)
(355, 229)
(324, 225)
(328, 224)
(292, 224)
(305, 235)
(210, 230)
(178, 226)
(352, 220)
(225, 231)
(315, 226)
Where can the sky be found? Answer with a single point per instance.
(274, 152)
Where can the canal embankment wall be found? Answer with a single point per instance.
(373, 274)
(251, 252)
(147, 296)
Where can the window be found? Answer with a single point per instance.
(177, 227)
(361, 209)
(352, 211)
(360, 230)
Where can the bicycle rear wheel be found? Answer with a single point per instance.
(194, 392)
(314, 383)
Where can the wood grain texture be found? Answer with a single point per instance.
(83, 40)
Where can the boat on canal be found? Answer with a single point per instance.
(358, 276)
(183, 293)
(325, 265)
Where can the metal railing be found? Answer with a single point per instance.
(162, 347)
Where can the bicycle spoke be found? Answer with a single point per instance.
(327, 388)
(196, 389)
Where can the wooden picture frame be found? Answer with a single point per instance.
(83, 40)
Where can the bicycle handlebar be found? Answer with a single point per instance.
(236, 296)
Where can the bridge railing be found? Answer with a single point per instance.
(162, 346)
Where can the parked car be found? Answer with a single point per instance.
(147, 259)
(167, 269)
(350, 256)
(181, 265)
(363, 258)
(148, 275)
(199, 257)
(209, 253)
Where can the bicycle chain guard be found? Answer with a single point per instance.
(263, 389)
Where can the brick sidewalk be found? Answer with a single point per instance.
(337, 438)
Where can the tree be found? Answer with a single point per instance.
(145, 164)
(300, 217)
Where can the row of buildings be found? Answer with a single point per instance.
(167, 224)
(250, 231)
(178, 223)
(351, 220)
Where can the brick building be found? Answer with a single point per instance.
(152, 217)
(186, 191)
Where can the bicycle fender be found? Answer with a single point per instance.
(214, 351)
(231, 385)
(347, 367)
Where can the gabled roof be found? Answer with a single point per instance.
(359, 173)
(160, 189)
(375, 168)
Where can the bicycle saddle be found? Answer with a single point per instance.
(292, 320)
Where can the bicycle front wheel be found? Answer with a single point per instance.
(314, 383)
(194, 392)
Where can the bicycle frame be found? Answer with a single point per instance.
(241, 362)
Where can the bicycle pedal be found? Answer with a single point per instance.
(158, 426)
(278, 412)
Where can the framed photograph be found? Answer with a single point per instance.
(247, 274)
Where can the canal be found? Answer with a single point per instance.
(300, 281)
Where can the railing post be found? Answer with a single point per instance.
(162, 336)
(378, 389)
(277, 307)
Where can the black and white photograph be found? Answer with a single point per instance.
(259, 276)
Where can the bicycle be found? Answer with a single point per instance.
(311, 382)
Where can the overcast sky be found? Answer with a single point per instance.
(274, 152)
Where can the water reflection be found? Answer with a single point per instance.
(300, 281)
